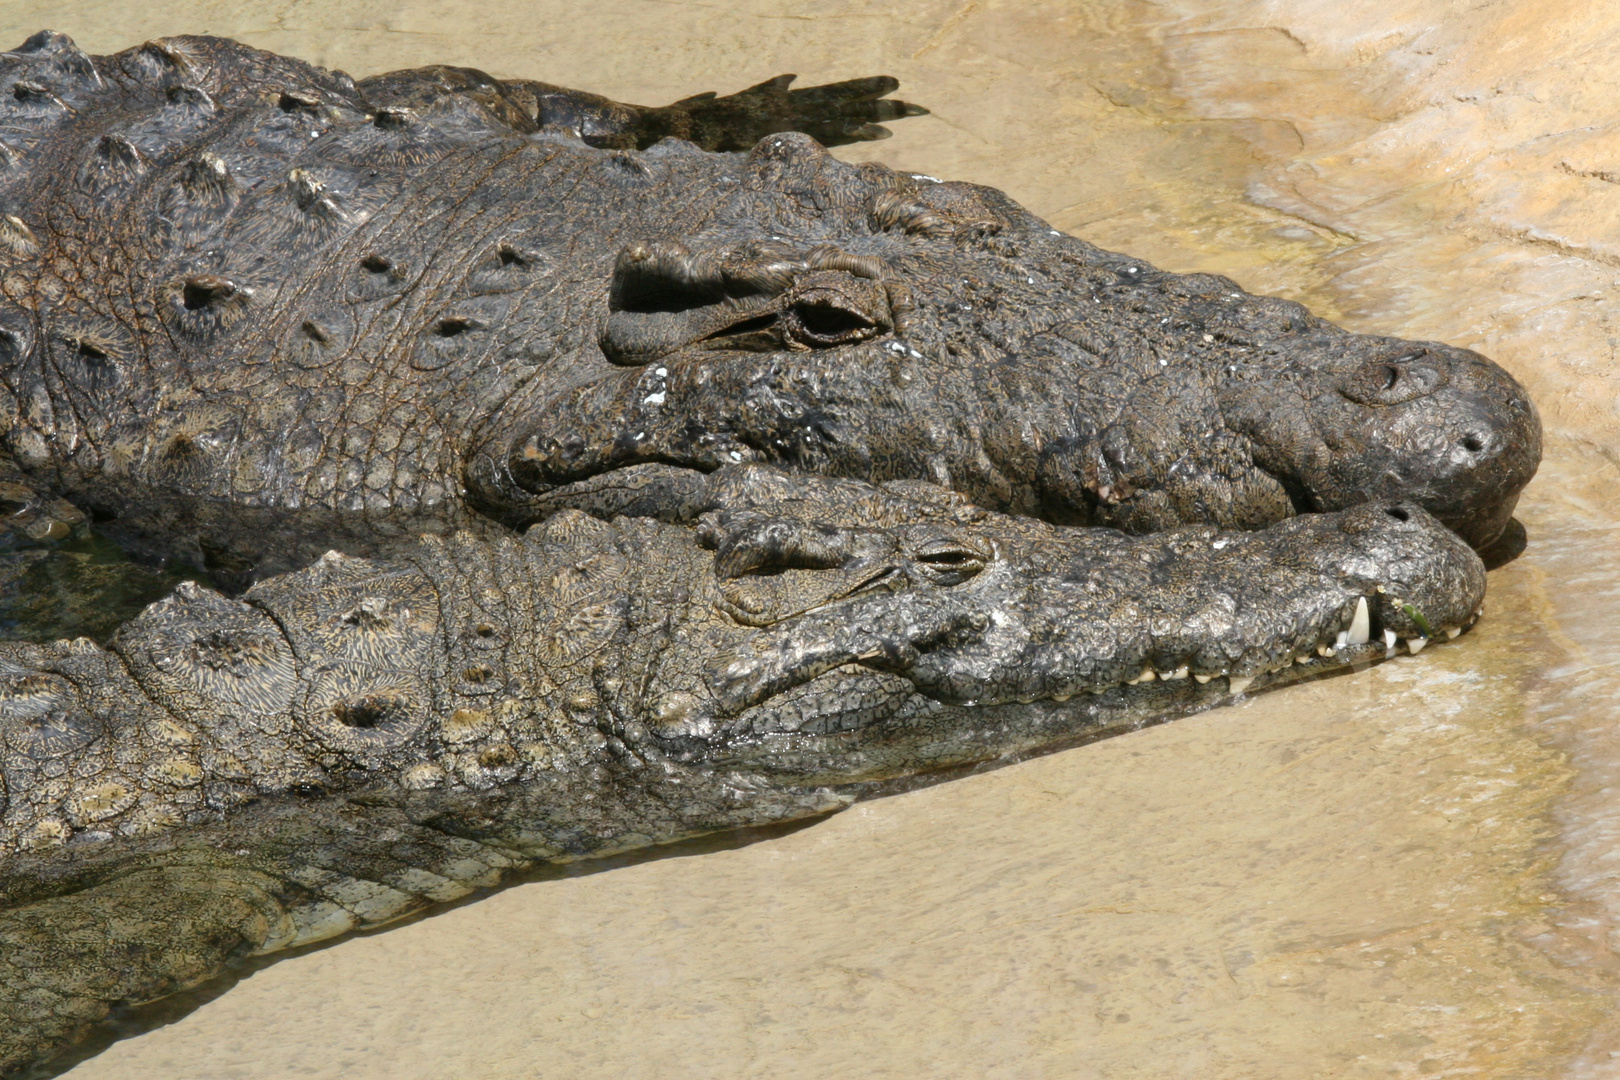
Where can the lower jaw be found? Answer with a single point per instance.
(929, 740)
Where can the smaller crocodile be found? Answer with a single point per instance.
(348, 743)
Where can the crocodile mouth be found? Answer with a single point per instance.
(865, 732)
(1360, 639)
(1363, 641)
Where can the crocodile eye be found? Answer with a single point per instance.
(948, 562)
(823, 320)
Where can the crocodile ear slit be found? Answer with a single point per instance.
(663, 276)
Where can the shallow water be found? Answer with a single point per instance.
(83, 586)
(1408, 871)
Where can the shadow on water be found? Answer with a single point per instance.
(131, 1020)
(128, 1021)
(1507, 547)
(83, 586)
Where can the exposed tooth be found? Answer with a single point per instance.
(1415, 644)
(1238, 683)
(1342, 640)
(1202, 679)
(1147, 675)
(1324, 650)
(1453, 631)
(1389, 643)
(1179, 673)
(1360, 631)
(1060, 697)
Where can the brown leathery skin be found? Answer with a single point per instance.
(251, 310)
(345, 744)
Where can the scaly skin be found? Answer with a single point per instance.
(253, 310)
(350, 742)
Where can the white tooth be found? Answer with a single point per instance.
(1389, 643)
(1237, 684)
(1202, 679)
(1324, 650)
(1342, 640)
(1179, 673)
(1145, 676)
(1414, 645)
(1453, 631)
(1360, 631)
(1060, 697)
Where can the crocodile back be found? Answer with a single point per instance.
(252, 296)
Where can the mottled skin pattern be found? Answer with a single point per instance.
(252, 310)
(780, 430)
(350, 742)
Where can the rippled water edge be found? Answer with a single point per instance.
(1573, 582)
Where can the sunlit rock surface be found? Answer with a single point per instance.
(1411, 871)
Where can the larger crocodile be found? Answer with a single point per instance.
(350, 742)
(254, 309)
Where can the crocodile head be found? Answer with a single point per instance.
(878, 652)
(852, 321)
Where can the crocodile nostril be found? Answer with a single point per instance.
(1473, 443)
(1399, 513)
(455, 325)
(200, 290)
